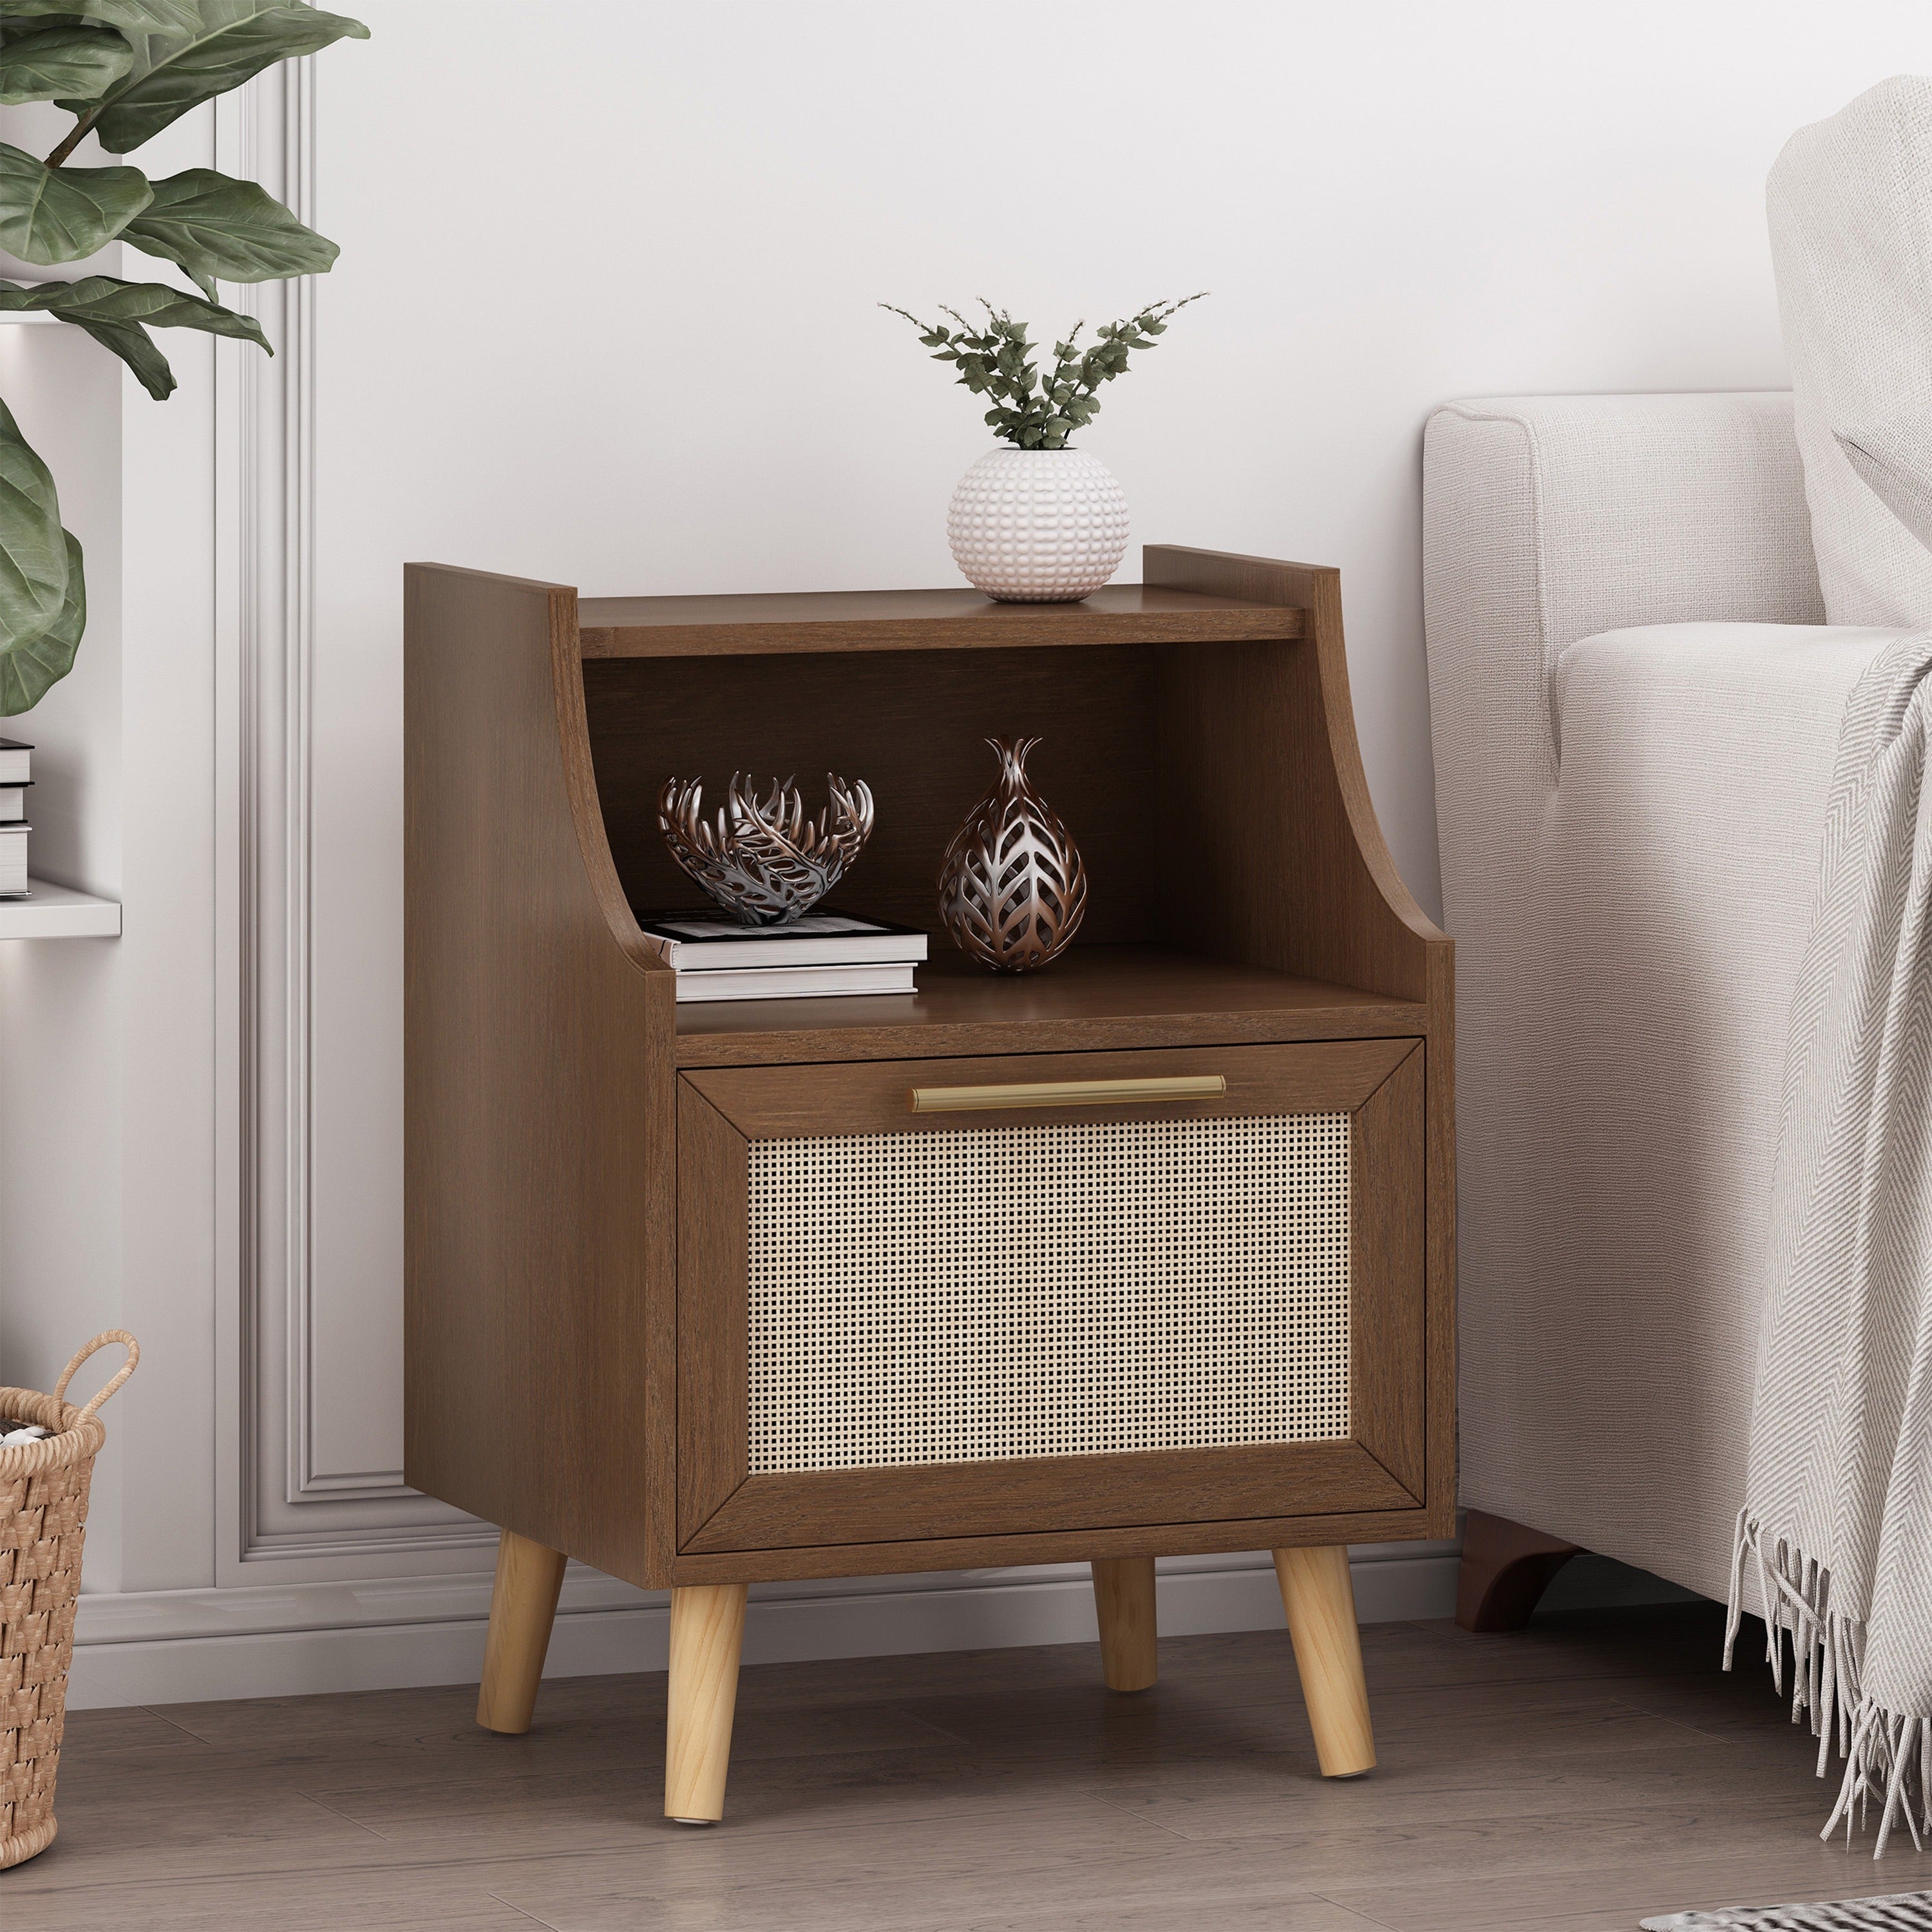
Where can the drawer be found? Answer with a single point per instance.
(950, 1298)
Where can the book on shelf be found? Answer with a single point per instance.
(13, 860)
(817, 956)
(14, 779)
(792, 982)
(699, 942)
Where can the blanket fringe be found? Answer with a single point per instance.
(1887, 1756)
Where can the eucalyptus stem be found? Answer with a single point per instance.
(1029, 417)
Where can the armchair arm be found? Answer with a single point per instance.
(1547, 519)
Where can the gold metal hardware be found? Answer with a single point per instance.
(1067, 1093)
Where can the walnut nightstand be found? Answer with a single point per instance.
(1150, 1251)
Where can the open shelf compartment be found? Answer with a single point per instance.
(1197, 742)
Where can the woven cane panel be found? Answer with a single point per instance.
(964, 1296)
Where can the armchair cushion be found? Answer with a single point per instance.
(1850, 205)
(1617, 1168)
(1629, 914)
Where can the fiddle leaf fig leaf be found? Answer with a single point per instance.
(64, 60)
(126, 69)
(59, 215)
(137, 348)
(213, 225)
(108, 300)
(28, 665)
(34, 557)
(231, 41)
(131, 16)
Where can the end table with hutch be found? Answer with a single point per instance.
(1148, 1253)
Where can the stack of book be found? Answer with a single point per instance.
(816, 957)
(14, 781)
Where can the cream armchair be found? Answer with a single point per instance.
(1635, 704)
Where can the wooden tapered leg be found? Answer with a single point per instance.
(1123, 1599)
(1319, 1596)
(522, 1605)
(707, 1632)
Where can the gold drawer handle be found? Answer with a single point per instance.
(1067, 1093)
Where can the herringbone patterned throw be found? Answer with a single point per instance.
(1838, 1501)
(1902, 1911)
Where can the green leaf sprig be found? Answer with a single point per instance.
(125, 69)
(1030, 409)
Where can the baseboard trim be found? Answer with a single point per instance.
(190, 1646)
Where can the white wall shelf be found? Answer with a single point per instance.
(59, 912)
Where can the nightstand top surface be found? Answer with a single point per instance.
(901, 620)
(1095, 996)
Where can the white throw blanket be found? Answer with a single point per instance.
(1838, 1515)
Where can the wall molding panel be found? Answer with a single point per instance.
(284, 1504)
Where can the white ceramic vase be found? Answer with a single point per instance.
(1037, 526)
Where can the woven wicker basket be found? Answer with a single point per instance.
(43, 1517)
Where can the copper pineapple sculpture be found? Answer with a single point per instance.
(1012, 886)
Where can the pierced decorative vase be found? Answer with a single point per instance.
(764, 862)
(1012, 886)
(1037, 526)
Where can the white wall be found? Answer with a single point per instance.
(62, 1045)
(605, 313)
(107, 1058)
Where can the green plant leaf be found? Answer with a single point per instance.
(131, 16)
(137, 348)
(34, 560)
(107, 300)
(40, 66)
(231, 41)
(213, 225)
(28, 665)
(1033, 411)
(59, 215)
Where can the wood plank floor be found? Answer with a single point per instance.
(1592, 1770)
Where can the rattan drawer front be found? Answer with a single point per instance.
(1072, 1289)
(1183, 1284)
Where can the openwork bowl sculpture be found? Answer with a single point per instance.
(762, 860)
(1013, 886)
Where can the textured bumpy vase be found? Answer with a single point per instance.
(1012, 886)
(1037, 526)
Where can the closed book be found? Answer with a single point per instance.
(703, 941)
(14, 757)
(13, 859)
(793, 983)
(12, 803)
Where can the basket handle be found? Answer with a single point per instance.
(127, 1368)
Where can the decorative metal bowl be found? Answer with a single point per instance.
(762, 860)
(1013, 886)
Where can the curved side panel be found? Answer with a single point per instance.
(1275, 857)
(580, 781)
(1262, 753)
(539, 1247)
